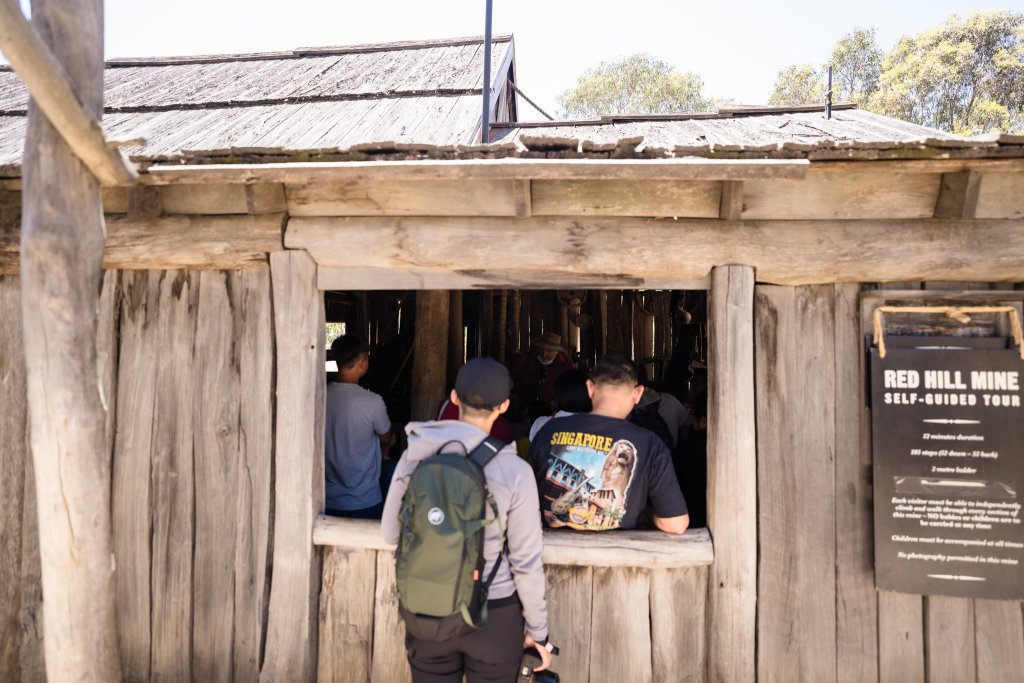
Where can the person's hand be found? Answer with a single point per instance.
(545, 656)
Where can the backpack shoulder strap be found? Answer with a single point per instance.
(486, 451)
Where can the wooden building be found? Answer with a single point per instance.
(267, 180)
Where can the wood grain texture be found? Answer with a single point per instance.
(291, 639)
(254, 340)
(620, 624)
(796, 611)
(598, 251)
(678, 613)
(1000, 196)
(958, 195)
(215, 416)
(569, 592)
(640, 548)
(14, 455)
(863, 194)
(397, 198)
(856, 598)
(389, 656)
(689, 198)
(900, 638)
(172, 476)
(204, 199)
(949, 639)
(33, 664)
(136, 395)
(430, 354)
(999, 640)
(731, 206)
(732, 477)
(347, 616)
(522, 194)
(484, 169)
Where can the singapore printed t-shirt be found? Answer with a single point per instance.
(597, 473)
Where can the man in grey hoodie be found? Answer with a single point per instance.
(516, 609)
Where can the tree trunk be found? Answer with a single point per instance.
(61, 259)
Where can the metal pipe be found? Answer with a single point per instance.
(485, 129)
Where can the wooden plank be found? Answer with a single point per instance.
(795, 361)
(678, 605)
(266, 198)
(480, 169)
(398, 198)
(254, 337)
(590, 249)
(33, 664)
(620, 623)
(1001, 196)
(136, 395)
(172, 476)
(430, 353)
(684, 198)
(144, 203)
(999, 639)
(958, 195)
(856, 599)
(949, 639)
(177, 242)
(291, 641)
(389, 657)
(522, 193)
(858, 194)
(569, 592)
(14, 455)
(732, 476)
(621, 549)
(346, 616)
(205, 199)
(215, 417)
(115, 200)
(731, 205)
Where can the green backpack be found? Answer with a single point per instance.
(440, 555)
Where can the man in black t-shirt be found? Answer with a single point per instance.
(596, 471)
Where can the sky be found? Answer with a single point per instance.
(737, 47)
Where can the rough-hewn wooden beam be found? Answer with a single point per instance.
(621, 549)
(61, 270)
(958, 195)
(523, 196)
(430, 353)
(731, 207)
(291, 639)
(201, 242)
(589, 251)
(55, 95)
(508, 169)
(732, 477)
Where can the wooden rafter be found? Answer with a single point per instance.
(51, 89)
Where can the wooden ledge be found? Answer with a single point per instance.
(608, 549)
(463, 169)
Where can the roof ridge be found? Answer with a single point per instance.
(305, 52)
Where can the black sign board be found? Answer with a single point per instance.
(947, 417)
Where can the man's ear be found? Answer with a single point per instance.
(638, 392)
(454, 398)
(590, 388)
(504, 405)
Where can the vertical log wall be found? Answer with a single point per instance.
(818, 615)
(186, 361)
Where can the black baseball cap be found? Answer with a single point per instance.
(483, 383)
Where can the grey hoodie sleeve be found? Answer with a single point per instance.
(525, 549)
(389, 526)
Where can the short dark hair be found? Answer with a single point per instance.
(347, 350)
(571, 392)
(613, 369)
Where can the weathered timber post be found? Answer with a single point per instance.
(62, 242)
(456, 345)
(430, 352)
(732, 476)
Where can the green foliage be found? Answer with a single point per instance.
(798, 84)
(638, 84)
(856, 63)
(966, 76)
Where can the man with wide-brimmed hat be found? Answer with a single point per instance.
(535, 373)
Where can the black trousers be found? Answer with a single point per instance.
(486, 655)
